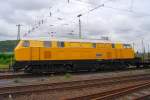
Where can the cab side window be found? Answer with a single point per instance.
(26, 44)
(47, 44)
(94, 45)
(113, 45)
(60, 44)
(127, 46)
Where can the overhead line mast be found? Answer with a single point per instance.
(19, 28)
(80, 36)
(80, 33)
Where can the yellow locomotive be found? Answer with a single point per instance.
(71, 55)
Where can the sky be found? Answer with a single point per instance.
(120, 20)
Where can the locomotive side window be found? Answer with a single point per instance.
(127, 46)
(94, 45)
(113, 45)
(47, 44)
(60, 44)
(26, 44)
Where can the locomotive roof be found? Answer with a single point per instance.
(75, 40)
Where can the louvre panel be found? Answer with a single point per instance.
(47, 54)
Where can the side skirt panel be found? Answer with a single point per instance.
(70, 65)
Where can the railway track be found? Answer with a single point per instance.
(73, 85)
(144, 97)
(113, 94)
(15, 75)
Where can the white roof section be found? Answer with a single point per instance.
(74, 40)
(82, 40)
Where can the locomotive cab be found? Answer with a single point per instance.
(25, 52)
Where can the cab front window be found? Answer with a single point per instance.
(47, 44)
(60, 44)
(26, 44)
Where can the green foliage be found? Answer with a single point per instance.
(6, 59)
(6, 49)
(8, 46)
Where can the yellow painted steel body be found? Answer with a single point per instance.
(71, 51)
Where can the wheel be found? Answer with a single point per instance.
(68, 68)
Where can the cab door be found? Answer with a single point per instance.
(118, 48)
(35, 53)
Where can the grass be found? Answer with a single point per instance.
(67, 76)
(4, 66)
(148, 70)
(6, 58)
(17, 80)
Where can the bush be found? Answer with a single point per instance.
(6, 58)
(1, 60)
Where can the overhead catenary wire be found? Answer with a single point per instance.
(42, 20)
(39, 22)
(92, 9)
(83, 14)
(128, 10)
(101, 5)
